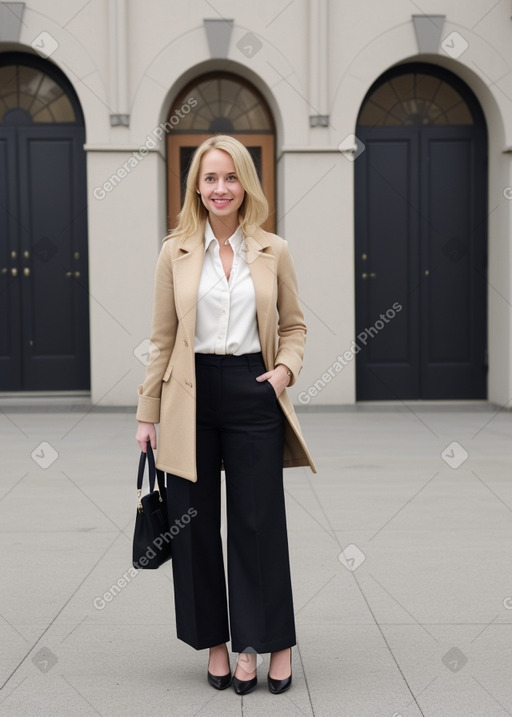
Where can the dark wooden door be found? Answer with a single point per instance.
(420, 240)
(44, 324)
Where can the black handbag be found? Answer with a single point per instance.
(151, 537)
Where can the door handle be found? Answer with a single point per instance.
(14, 271)
(26, 271)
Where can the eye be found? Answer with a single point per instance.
(232, 177)
(207, 179)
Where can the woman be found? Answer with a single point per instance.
(227, 337)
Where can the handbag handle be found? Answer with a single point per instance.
(153, 470)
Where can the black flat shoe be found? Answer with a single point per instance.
(220, 683)
(279, 686)
(243, 687)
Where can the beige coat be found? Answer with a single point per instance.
(167, 395)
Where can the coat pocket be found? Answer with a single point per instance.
(168, 372)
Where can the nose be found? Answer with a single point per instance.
(221, 187)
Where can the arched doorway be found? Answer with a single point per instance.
(421, 238)
(219, 103)
(44, 310)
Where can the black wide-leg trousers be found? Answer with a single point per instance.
(239, 423)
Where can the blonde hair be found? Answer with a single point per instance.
(254, 208)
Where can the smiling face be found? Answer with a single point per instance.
(221, 191)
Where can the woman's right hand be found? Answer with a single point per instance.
(146, 432)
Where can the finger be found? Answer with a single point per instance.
(264, 376)
(153, 442)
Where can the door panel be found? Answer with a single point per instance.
(387, 362)
(55, 299)
(448, 197)
(10, 298)
(49, 295)
(453, 323)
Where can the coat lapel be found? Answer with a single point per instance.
(187, 268)
(262, 265)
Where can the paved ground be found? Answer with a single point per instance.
(414, 619)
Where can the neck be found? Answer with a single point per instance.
(223, 228)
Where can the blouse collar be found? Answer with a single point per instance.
(235, 239)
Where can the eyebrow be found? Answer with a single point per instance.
(209, 174)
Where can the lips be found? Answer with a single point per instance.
(221, 202)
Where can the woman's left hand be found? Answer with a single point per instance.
(278, 378)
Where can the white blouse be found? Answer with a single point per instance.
(226, 320)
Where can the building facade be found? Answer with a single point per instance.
(383, 137)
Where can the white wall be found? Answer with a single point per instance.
(317, 222)
(124, 224)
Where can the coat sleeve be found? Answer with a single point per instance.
(291, 327)
(163, 335)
